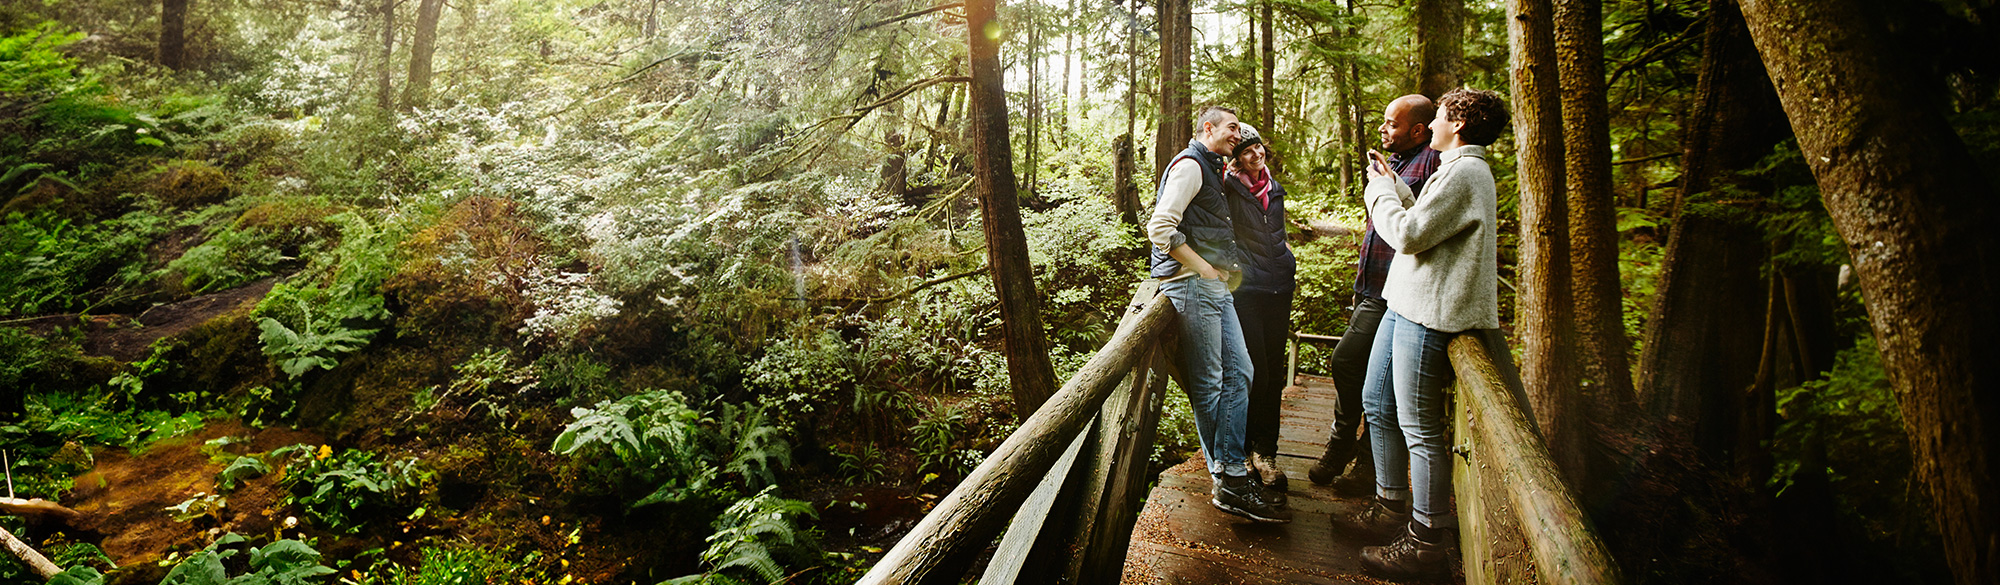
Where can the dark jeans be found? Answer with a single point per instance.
(1350, 368)
(1267, 324)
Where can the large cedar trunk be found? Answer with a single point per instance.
(1593, 234)
(1702, 337)
(417, 92)
(173, 33)
(1176, 116)
(1548, 366)
(1124, 192)
(1440, 45)
(1269, 116)
(1918, 221)
(1000, 217)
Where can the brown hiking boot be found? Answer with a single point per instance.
(1338, 453)
(1359, 481)
(1408, 557)
(1374, 522)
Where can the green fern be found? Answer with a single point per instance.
(752, 536)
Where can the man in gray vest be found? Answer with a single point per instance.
(1195, 254)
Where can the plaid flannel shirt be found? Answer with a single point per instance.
(1376, 253)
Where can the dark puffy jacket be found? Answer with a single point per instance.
(1205, 222)
(1268, 265)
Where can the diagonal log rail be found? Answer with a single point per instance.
(1510, 495)
(942, 547)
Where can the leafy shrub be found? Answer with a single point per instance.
(757, 536)
(864, 466)
(243, 468)
(61, 112)
(285, 562)
(316, 338)
(935, 435)
(229, 259)
(451, 565)
(343, 491)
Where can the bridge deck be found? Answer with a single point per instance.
(1181, 539)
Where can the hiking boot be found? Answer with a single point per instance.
(1338, 453)
(1359, 481)
(1244, 497)
(1265, 467)
(1375, 522)
(1407, 558)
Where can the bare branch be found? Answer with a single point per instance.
(896, 19)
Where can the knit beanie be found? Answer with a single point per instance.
(1249, 136)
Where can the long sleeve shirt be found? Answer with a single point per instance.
(1446, 274)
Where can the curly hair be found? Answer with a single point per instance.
(1483, 113)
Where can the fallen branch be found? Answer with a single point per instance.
(27, 554)
(38, 507)
(908, 16)
(906, 292)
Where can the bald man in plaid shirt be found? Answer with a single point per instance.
(1406, 134)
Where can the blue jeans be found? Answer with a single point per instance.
(1215, 369)
(1404, 401)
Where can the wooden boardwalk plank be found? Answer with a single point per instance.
(1181, 539)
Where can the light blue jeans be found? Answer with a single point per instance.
(1403, 399)
(1215, 368)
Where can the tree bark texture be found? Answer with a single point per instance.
(1548, 365)
(417, 92)
(1593, 216)
(173, 33)
(1918, 219)
(1176, 91)
(1000, 215)
(1441, 46)
(1703, 329)
(1125, 192)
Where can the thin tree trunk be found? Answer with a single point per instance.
(1703, 327)
(173, 33)
(1000, 217)
(1441, 45)
(385, 90)
(1176, 123)
(418, 91)
(1270, 115)
(1918, 220)
(1593, 234)
(1548, 366)
(1032, 157)
(1069, 55)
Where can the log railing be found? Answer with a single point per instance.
(1066, 487)
(1072, 520)
(1519, 523)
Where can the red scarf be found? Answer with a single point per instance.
(1261, 186)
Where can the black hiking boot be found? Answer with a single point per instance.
(1338, 453)
(1265, 467)
(1408, 557)
(1374, 522)
(1244, 496)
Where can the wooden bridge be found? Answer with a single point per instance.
(1070, 499)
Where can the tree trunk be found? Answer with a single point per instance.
(1441, 45)
(1270, 114)
(1548, 366)
(385, 90)
(1702, 331)
(1918, 220)
(1069, 55)
(173, 33)
(1124, 192)
(1176, 123)
(417, 92)
(1593, 217)
(1000, 218)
